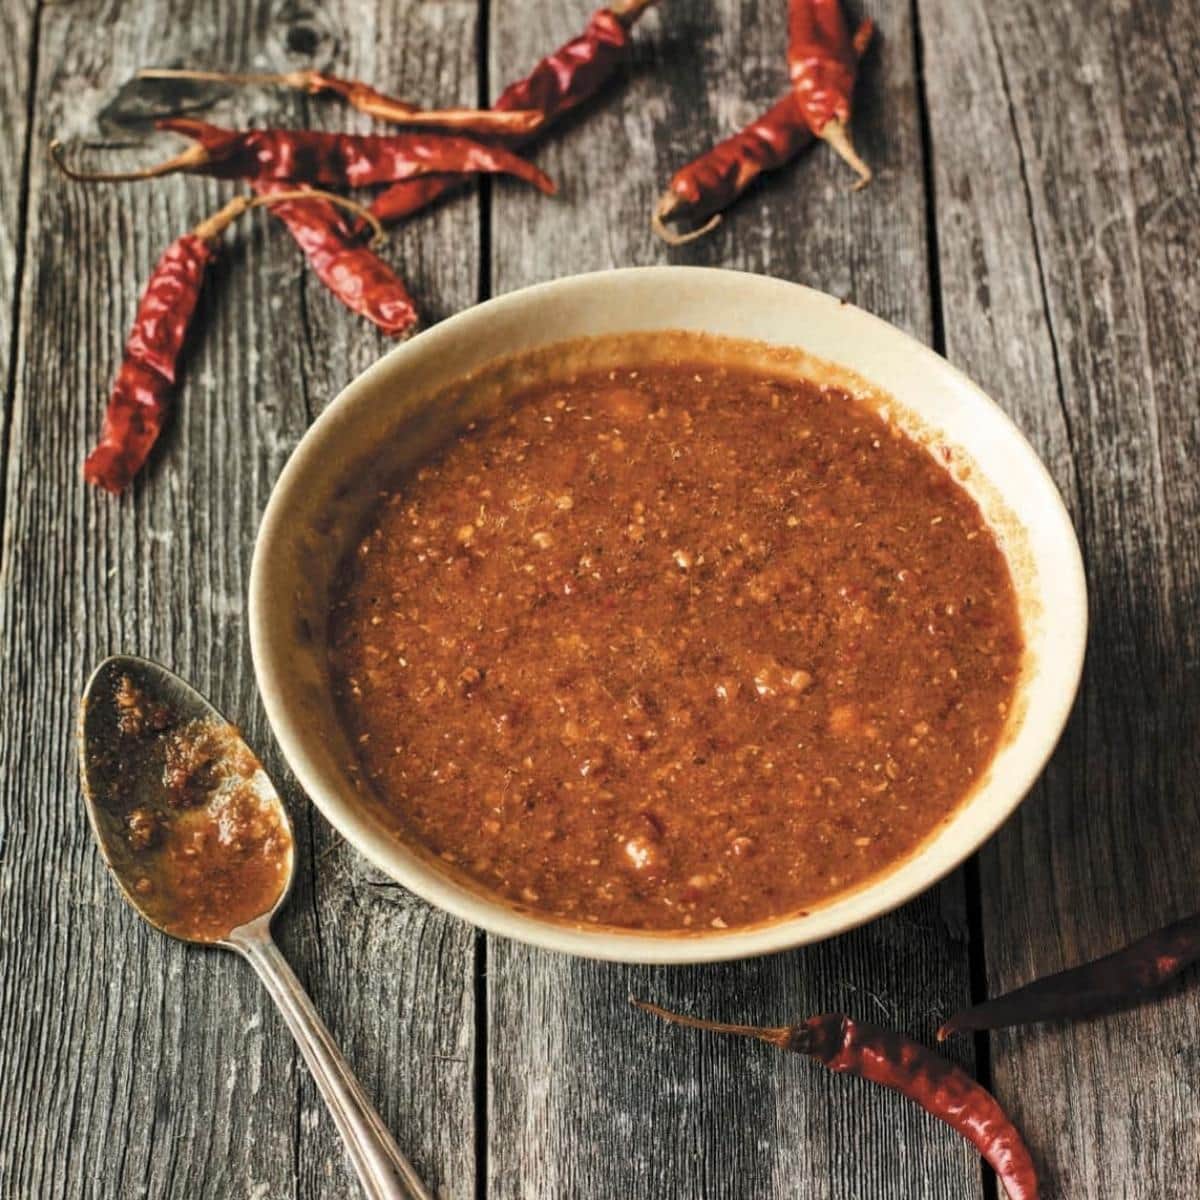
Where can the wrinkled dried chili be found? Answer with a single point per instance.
(1126, 975)
(353, 272)
(823, 66)
(139, 401)
(369, 100)
(916, 1072)
(343, 160)
(705, 187)
(577, 70)
(562, 81)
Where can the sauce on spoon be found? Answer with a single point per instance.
(191, 822)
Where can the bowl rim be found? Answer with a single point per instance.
(605, 943)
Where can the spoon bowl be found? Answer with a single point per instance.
(187, 820)
(200, 844)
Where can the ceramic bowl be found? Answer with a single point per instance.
(326, 488)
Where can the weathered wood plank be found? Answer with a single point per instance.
(17, 32)
(1067, 230)
(397, 977)
(1066, 185)
(134, 1065)
(587, 1098)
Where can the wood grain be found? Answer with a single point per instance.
(587, 1097)
(132, 1065)
(1064, 141)
(1053, 259)
(17, 31)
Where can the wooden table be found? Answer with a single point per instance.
(1035, 216)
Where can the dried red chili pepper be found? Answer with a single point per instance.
(353, 272)
(141, 392)
(403, 199)
(1125, 975)
(369, 100)
(916, 1072)
(823, 67)
(577, 70)
(343, 160)
(702, 189)
(562, 81)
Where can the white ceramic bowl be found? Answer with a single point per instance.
(324, 491)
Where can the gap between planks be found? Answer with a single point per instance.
(972, 881)
(483, 292)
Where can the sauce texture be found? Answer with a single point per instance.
(197, 843)
(680, 647)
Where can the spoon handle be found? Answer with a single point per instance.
(382, 1169)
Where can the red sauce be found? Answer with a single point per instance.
(681, 647)
(203, 851)
(221, 865)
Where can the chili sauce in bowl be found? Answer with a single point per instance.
(675, 646)
(666, 615)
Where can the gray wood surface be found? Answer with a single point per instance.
(16, 32)
(1064, 143)
(1035, 216)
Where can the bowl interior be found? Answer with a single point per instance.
(414, 398)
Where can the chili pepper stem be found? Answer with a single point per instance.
(193, 156)
(628, 11)
(516, 122)
(837, 135)
(212, 227)
(658, 223)
(292, 79)
(781, 1037)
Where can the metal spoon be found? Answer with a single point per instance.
(200, 844)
